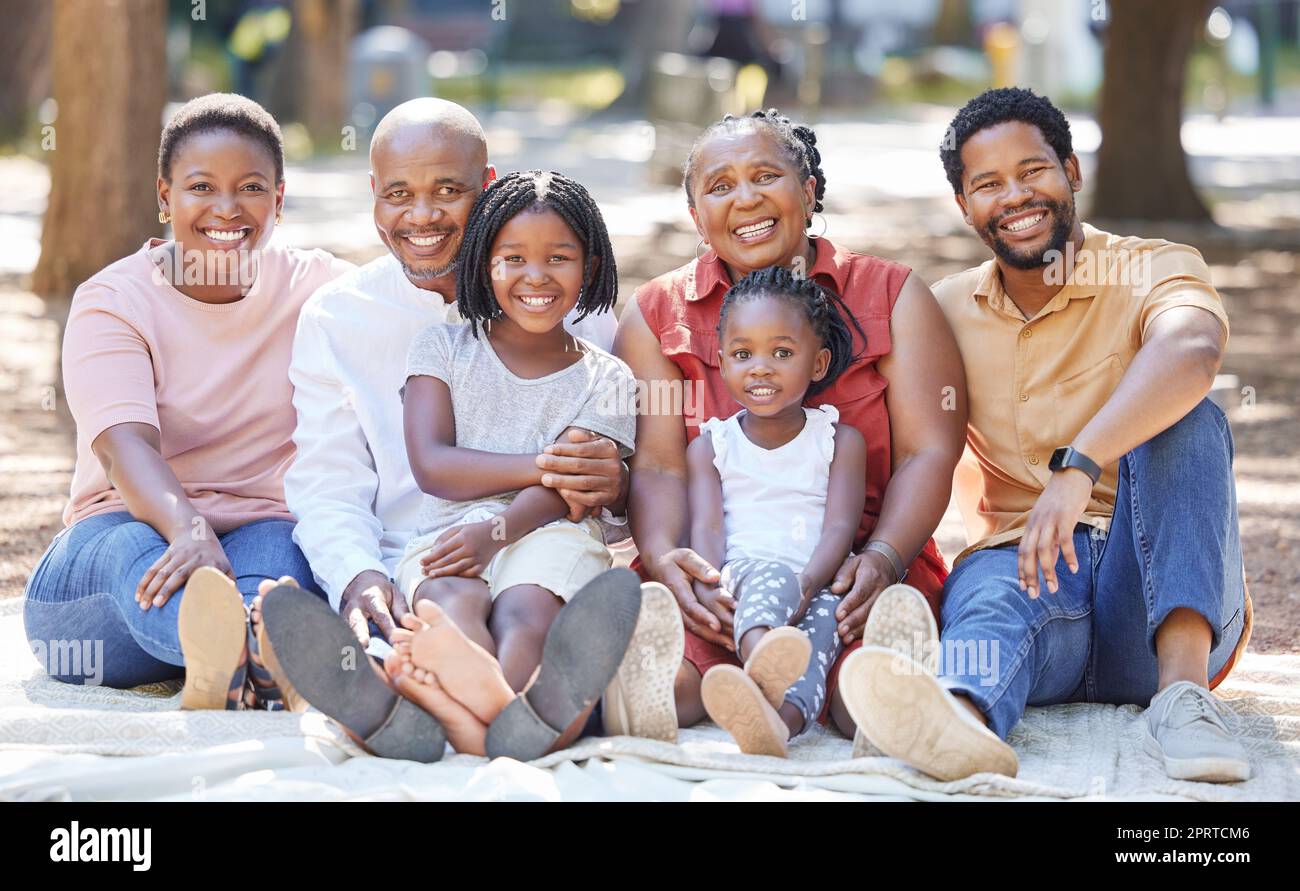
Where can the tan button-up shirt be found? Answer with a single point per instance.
(1034, 384)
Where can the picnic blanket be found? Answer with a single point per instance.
(81, 743)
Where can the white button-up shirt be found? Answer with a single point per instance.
(350, 485)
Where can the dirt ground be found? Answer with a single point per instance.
(1259, 285)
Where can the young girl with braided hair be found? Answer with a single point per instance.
(495, 558)
(776, 492)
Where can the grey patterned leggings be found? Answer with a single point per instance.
(767, 596)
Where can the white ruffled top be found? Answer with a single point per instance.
(774, 500)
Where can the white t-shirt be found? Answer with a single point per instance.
(774, 500)
(351, 486)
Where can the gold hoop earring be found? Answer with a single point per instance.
(279, 218)
(164, 217)
(824, 224)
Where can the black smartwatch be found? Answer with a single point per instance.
(1066, 456)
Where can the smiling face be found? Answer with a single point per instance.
(537, 266)
(770, 355)
(222, 195)
(1017, 194)
(425, 181)
(751, 204)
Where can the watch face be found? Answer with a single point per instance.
(1058, 457)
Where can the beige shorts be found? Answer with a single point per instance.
(560, 557)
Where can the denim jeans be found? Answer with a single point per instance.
(80, 600)
(1173, 542)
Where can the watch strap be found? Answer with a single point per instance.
(896, 561)
(1069, 456)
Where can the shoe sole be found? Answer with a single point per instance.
(901, 620)
(1201, 770)
(862, 747)
(779, 659)
(737, 705)
(213, 629)
(641, 702)
(292, 699)
(328, 667)
(904, 712)
(584, 648)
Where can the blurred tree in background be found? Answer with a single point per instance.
(1141, 167)
(24, 64)
(311, 85)
(110, 83)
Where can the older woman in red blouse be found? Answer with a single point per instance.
(753, 185)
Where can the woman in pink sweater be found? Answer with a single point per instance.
(175, 365)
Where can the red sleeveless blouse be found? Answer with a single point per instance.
(682, 309)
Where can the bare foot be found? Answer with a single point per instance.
(466, 733)
(265, 659)
(464, 670)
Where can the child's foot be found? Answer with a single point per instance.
(463, 670)
(323, 659)
(268, 686)
(779, 659)
(583, 650)
(466, 733)
(737, 705)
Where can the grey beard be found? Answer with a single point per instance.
(428, 273)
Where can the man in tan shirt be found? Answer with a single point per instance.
(1104, 561)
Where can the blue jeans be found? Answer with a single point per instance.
(81, 613)
(1173, 543)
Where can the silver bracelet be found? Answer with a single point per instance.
(900, 571)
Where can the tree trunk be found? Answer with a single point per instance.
(953, 25)
(654, 27)
(312, 83)
(110, 82)
(1141, 168)
(24, 64)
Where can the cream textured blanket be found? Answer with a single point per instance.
(62, 742)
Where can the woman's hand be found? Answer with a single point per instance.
(860, 579)
(184, 555)
(464, 550)
(679, 570)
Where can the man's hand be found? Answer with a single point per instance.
(860, 579)
(464, 550)
(1050, 529)
(679, 569)
(184, 555)
(371, 597)
(587, 472)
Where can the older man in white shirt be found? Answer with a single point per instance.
(351, 486)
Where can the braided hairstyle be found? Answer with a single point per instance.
(530, 191)
(797, 140)
(823, 308)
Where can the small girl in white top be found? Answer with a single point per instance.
(776, 492)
